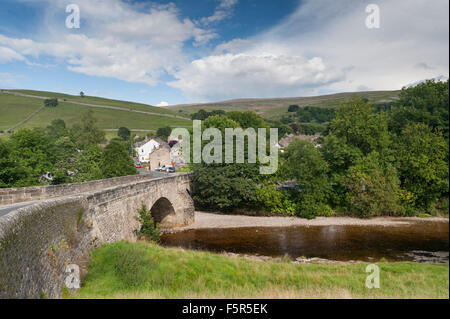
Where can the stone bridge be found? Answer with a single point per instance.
(59, 225)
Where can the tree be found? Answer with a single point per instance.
(305, 164)
(203, 115)
(51, 102)
(221, 122)
(224, 187)
(374, 188)
(57, 129)
(149, 229)
(12, 172)
(362, 128)
(247, 119)
(124, 133)
(421, 156)
(87, 133)
(116, 161)
(164, 132)
(427, 103)
(293, 108)
(338, 154)
(88, 164)
(82, 94)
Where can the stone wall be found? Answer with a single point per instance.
(25, 194)
(37, 242)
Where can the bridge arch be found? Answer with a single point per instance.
(163, 212)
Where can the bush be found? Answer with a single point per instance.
(131, 265)
(270, 199)
(309, 206)
(224, 187)
(293, 108)
(124, 133)
(149, 228)
(374, 188)
(51, 102)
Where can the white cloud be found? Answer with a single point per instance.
(162, 103)
(223, 11)
(134, 43)
(411, 45)
(9, 55)
(253, 75)
(323, 46)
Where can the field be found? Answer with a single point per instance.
(144, 270)
(14, 109)
(96, 100)
(277, 107)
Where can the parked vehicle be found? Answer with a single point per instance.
(138, 165)
(170, 169)
(161, 168)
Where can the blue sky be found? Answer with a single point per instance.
(173, 52)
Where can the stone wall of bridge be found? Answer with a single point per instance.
(25, 194)
(37, 242)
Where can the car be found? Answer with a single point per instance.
(170, 169)
(161, 168)
(138, 165)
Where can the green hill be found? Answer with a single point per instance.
(24, 109)
(275, 108)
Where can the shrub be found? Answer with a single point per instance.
(124, 133)
(131, 265)
(149, 228)
(293, 108)
(270, 199)
(51, 102)
(374, 188)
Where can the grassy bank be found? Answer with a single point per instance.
(142, 270)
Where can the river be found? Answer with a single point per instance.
(422, 241)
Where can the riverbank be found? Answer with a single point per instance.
(144, 270)
(205, 220)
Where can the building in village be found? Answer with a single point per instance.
(154, 152)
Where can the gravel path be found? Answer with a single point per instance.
(212, 220)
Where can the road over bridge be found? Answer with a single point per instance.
(43, 229)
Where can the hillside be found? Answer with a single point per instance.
(24, 109)
(275, 108)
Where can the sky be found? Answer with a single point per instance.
(174, 52)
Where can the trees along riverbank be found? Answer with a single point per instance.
(372, 162)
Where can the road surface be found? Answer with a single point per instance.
(6, 209)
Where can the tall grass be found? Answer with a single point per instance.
(143, 270)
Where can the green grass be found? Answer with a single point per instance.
(143, 270)
(277, 107)
(14, 109)
(107, 118)
(98, 101)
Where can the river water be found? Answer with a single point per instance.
(419, 241)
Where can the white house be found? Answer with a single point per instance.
(145, 148)
(176, 154)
